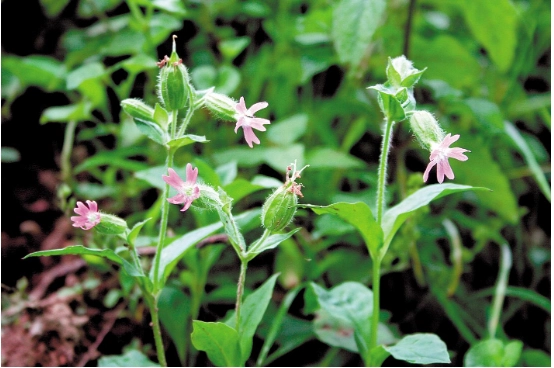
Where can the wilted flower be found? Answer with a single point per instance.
(247, 120)
(439, 156)
(88, 217)
(187, 190)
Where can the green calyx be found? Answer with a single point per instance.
(279, 209)
(173, 82)
(426, 129)
(111, 225)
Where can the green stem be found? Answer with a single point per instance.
(240, 291)
(501, 286)
(260, 241)
(65, 161)
(135, 257)
(158, 333)
(382, 179)
(375, 315)
(188, 115)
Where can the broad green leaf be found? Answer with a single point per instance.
(497, 32)
(520, 142)
(330, 158)
(252, 311)
(394, 217)
(161, 117)
(487, 114)
(174, 307)
(76, 112)
(138, 63)
(87, 9)
(171, 6)
(484, 171)
(227, 173)
(230, 49)
(350, 304)
(132, 358)
(421, 348)
(280, 157)
(493, 353)
(151, 130)
(354, 23)
(270, 242)
(186, 140)
(288, 130)
(359, 215)
(84, 73)
(219, 341)
(35, 70)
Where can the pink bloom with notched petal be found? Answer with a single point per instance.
(246, 119)
(441, 154)
(187, 190)
(88, 217)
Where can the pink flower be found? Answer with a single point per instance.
(439, 156)
(188, 190)
(88, 217)
(246, 119)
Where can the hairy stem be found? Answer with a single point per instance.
(240, 291)
(382, 179)
(158, 333)
(375, 315)
(65, 161)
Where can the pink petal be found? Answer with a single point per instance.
(240, 122)
(92, 205)
(258, 123)
(257, 107)
(249, 136)
(81, 209)
(428, 169)
(448, 140)
(447, 169)
(173, 179)
(192, 174)
(186, 204)
(458, 153)
(178, 199)
(241, 107)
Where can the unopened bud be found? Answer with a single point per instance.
(279, 209)
(222, 106)
(138, 109)
(401, 72)
(426, 129)
(111, 225)
(173, 82)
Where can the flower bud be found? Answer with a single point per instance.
(401, 72)
(173, 82)
(111, 225)
(222, 106)
(279, 209)
(138, 109)
(426, 129)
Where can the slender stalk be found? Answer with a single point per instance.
(188, 115)
(376, 303)
(65, 161)
(135, 257)
(158, 334)
(408, 28)
(240, 291)
(382, 179)
(501, 286)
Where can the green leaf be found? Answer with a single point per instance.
(535, 358)
(219, 341)
(421, 348)
(389, 104)
(497, 32)
(525, 150)
(288, 130)
(10, 154)
(138, 63)
(359, 215)
(486, 113)
(84, 73)
(354, 23)
(174, 307)
(161, 116)
(269, 243)
(493, 353)
(230, 49)
(151, 130)
(76, 112)
(53, 7)
(395, 216)
(329, 158)
(186, 140)
(35, 70)
(132, 358)
(349, 306)
(252, 311)
(132, 236)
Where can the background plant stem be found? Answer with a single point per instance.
(240, 291)
(158, 333)
(501, 285)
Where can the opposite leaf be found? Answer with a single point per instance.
(423, 348)
(219, 341)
